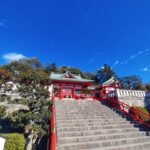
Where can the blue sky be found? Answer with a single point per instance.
(80, 33)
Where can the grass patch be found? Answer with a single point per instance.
(14, 141)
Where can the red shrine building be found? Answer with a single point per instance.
(68, 85)
(108, 86)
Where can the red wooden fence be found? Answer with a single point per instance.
(132, 112)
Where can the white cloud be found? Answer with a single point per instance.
(139, 53)
(147, 49)
(145, 69)
(9, 57)
(132, 57)
(116, 62)
(123, 62)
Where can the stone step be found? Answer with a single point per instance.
(90, 138)
(90, 120)
(96, 132)
(82, 118)
(74, 129)
(86, 111)
(90, 124)
(133, 146)
(61, 114)
(86, 114)
(102, 144)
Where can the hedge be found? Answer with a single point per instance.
(14, 141)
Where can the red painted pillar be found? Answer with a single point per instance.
(60, 96)
(52, 129)
(53, 94)
(86, 94)
(73, 91)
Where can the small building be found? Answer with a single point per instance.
(108, 86)
(68, 85)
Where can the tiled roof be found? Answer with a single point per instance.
(110, 81)
(71, 77)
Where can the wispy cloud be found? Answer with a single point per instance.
(132, 57)
(9, 57)
(139, 53)
(116, 62)
(3, 23)
(123, 62)
(145, 69)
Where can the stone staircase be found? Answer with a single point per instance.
(89, 125)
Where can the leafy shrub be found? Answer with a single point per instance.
(2, 111)
(22, 101)
(14, 141)
(34, 128)
(2, 99)
(19, 119)
(142, 113)
(142, 110)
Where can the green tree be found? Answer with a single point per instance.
(131, 82)
(105, 73)
(5, 75)
(32, 62)
(147, 86)
(2, 111)
(51, 68)
(20, 119)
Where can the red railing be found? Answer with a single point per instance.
(132, 112)
(52, 128)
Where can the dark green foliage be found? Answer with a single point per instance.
(32, 62)
(5, 75)
(51, 68)
(19, 101)
(41, 93)
(2, 99)
(34, 128)
(131, 82)
(104, 74)
(38, 115)
(14, 141)
(34, 92)
(20, 119)
(2, 111)
(147, 86)
(26, 91)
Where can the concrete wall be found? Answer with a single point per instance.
(133, 97)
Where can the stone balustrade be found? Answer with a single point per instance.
(133, 97)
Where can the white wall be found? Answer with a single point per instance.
(133, 97)
(2, 143)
